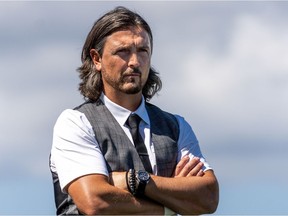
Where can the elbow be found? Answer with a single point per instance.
(212, 197)
(93, 207)
(211, 207)
(207, 203)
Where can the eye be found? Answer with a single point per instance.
(144, 50)
(122, 50)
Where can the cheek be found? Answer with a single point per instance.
(144, 59)
(145, 74)
(146, 66)
(113, 66)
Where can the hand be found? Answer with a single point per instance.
(187, 167)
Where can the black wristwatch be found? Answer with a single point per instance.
(142, 179)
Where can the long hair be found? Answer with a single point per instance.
(91, 84)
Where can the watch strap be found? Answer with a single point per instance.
(141, 183)
(141, 188)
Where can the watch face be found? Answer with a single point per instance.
(143, 175)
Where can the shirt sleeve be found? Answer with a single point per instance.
(75, 151)
(188, 143)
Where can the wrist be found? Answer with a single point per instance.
(136, 182)
(142, 179)
(131, 181)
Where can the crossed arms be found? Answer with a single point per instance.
(189, 191)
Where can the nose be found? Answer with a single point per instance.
(134, 60)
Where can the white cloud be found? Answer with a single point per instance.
(244, 88)
(35, 87)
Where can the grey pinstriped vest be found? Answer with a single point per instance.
(119, 153)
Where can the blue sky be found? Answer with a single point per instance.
(224, 68)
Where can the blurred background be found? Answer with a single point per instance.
(224, 68)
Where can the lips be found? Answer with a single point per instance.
(132, 74)
(135, 72)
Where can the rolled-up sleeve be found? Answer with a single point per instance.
(75, 151)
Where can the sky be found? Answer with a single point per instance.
(224, 69)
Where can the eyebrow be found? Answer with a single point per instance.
(127, 46)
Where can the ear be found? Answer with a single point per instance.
(96, 58)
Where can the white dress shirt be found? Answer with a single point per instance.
(75, 151)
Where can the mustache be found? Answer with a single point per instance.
(132, 71)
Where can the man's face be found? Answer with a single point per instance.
(125, 62)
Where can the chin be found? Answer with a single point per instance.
(135, 90)
(132, 88)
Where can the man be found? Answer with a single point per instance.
(96, 165)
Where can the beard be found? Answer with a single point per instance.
(135, 87)
(125, 83)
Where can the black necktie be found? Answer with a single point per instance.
(133, 122)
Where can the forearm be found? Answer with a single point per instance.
(122, 202)
(94, 195)
(185, 195)
(118, 202)
(190, 191)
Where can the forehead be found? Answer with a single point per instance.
(132, 35)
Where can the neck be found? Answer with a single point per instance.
(128, 101)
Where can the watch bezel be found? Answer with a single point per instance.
(143, 176)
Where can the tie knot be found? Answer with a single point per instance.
(133, 121)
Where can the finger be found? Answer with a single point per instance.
(180, 165)
(200, 173)
(196, 169)
(189, 167)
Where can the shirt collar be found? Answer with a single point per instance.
(121, 114)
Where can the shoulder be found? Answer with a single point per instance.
(155, 111)
(72, 119)
(70, 115)
(88, 105)
(180, 120)
(183, 125)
